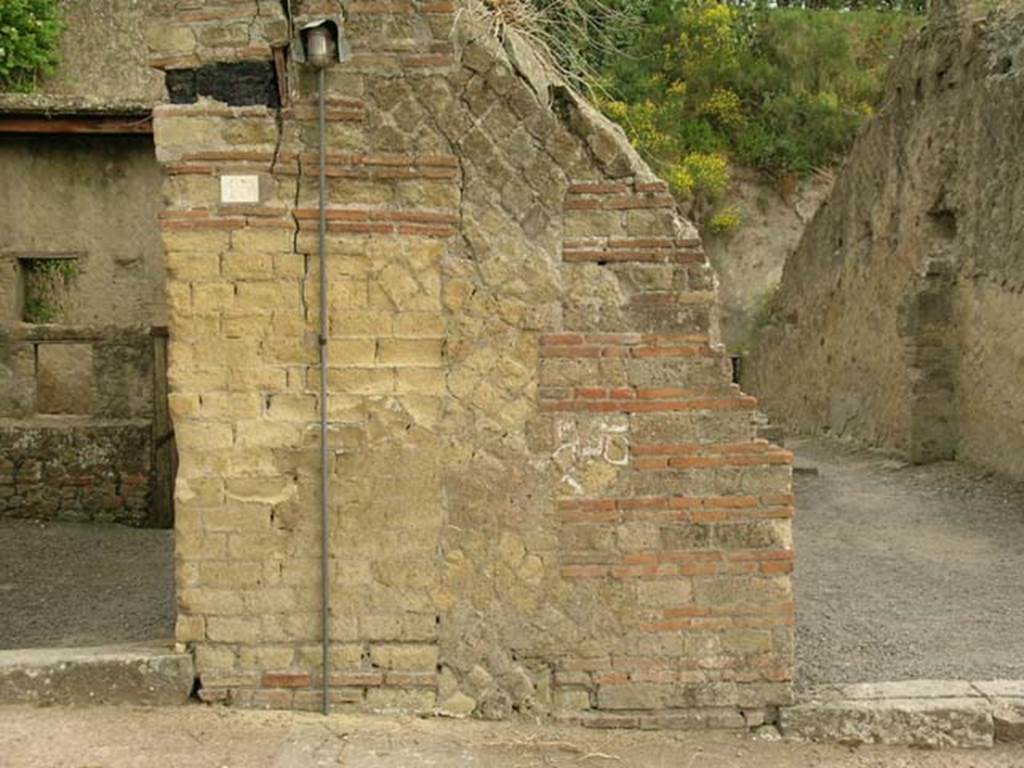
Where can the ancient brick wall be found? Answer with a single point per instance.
(81, 288)
(547, 497)
(898, 321)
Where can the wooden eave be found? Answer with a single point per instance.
(75, 123)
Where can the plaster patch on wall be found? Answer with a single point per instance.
(589, 451)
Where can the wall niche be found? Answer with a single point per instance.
(48, 287)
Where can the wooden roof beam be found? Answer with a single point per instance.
(21, 123)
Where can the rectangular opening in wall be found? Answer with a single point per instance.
(47, 282)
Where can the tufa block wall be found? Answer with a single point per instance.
(546, 495)
(898, 320)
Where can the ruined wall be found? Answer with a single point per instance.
(988, 296)
(898, 320)
(103, 65)
(546, 496)
(81, 281)
(749, 259)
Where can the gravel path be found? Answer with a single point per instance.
(905, 572)
(65, 584)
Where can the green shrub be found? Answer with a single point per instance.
(701, 173)
(727, 220)
(782, 90)
(29, 35)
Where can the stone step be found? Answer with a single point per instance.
(962, 723)
(145, 675)
(920, 713)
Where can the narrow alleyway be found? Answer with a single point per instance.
(905, 571)
(64, 584)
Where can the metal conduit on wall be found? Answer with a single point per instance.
(323, 47)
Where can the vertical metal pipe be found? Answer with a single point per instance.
(325, 576)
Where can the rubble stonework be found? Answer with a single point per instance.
(898, 320)
(547, 497)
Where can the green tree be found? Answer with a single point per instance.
(29, 35)
(780, 89)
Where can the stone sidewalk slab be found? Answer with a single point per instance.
(902, 689)
(945, 722)
(923, 713)
(143, 675)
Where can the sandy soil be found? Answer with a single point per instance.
(905, 572)
(203, 737)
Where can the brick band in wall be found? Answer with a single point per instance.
(548, 496)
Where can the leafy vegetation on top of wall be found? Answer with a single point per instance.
(782, 90)
(780, 86)
(30, 33)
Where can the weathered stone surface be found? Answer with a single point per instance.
(115, 675)
(915, 712)
(767, 733)
(902, 689)
(1006, 699)
(76, 472)
(897, 322)
(102, 62)
(1009, 689)
(81, 373)
(545, 494)
(457, 705)
(949, 722)
(64, 378)
(1008, 722)
(749, 259)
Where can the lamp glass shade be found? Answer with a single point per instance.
(319, 47)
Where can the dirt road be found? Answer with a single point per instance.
(203, 737)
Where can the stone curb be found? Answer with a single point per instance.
(138, 675)
(919, 713)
